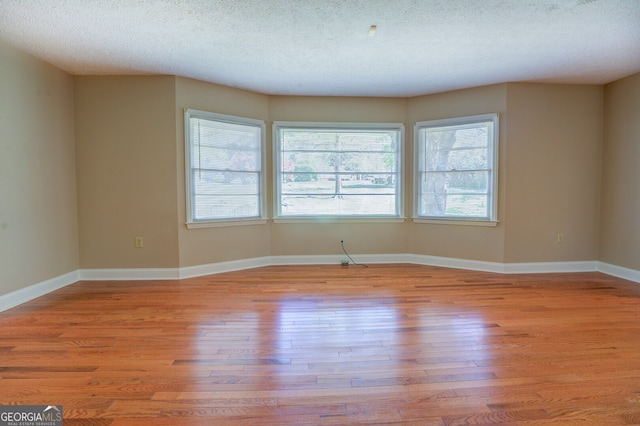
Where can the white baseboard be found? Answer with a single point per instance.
(237, 265)
(619, 271)
(450, 262)
(129, 274)
(549, 267)
(220, 267)
(337, 259)
(18, 297)
(505, 268)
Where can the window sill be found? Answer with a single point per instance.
(222, 223)
(462, 222)
(320, 219)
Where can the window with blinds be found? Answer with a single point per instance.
(456, 164)
(224, 166)
(338, 170)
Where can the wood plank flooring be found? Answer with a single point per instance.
(327, 345)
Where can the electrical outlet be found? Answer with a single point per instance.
(560, 238)
(139, 242)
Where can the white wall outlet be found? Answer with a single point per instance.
(139, 242)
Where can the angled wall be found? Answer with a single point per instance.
(38, 219)
(130, 139)
(481, 243)
(125, 137)
(203, 246)
(553, 163)
(620, 207)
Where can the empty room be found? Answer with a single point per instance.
(319, 212)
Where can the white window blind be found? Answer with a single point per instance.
(224, 167)
(457, 168)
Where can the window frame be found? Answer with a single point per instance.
(278, 126)
(492, 156)
(191, 222)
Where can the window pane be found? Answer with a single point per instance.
(225, 161)
(455, 168)
(468, 159)
(220, 183)
(337, 140)
(335, 162)
(466, 205)
(224, 134)
(345, 205)
(338, 172)
(454, 194)
(455, 205)
(222, 207)
(455, 182)
(214, 158)
(382, 184)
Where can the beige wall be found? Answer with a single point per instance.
(38, 219)
(460, 241)
(554, 144)
(125, 136)
(66, 207)
(620, 217)
(219, 244)
(550, 143)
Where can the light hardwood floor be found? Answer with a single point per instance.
(387, 344)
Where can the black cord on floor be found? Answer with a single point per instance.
(350, 258)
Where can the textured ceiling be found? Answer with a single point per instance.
(323, 47)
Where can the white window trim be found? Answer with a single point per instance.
(195, 224)
(493, 219)
(340, 219)
(224, 222)
(400, 196)
(464, 222)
